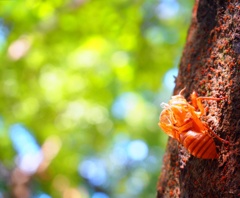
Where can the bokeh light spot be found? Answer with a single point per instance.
(169, 78)
(42, 196)
(100, 195)
(94, 171)
(167, 9)
(137, 150)
(29, 153)
(18, 48)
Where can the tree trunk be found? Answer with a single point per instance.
(210, 65)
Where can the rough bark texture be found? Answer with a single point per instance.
(210, 65)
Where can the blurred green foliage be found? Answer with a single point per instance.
(86, 76)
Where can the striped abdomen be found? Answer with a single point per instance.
(200, 145)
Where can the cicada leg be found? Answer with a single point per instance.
(216, 136)
(197, 101)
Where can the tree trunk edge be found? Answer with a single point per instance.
(210, 65)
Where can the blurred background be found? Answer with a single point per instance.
(81, 83)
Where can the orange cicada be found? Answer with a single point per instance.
(181, 120)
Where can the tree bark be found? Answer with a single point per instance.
(210, 65)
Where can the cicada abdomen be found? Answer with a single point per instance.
(200, 145)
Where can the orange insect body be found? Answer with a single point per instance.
(181, 121)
